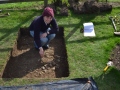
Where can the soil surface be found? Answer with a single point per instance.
(115, 4)
(115, 57)
(25, 61)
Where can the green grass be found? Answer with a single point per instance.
(21, 5)
(86, 56)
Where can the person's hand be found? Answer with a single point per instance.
(41, 52)
(43, 35)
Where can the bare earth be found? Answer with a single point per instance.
(25, 61)
(115, 56)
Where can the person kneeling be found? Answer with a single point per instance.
(43, 29)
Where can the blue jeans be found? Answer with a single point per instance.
(44, 41)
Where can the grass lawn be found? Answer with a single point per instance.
(86, 56)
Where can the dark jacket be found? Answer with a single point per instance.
(38, 25)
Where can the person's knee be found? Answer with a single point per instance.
(51, 36)
(44, 41)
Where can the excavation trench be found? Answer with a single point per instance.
(25, 61)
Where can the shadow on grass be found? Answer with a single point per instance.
(83, 18)
(109, 80)
(8, 31)
(93, 39)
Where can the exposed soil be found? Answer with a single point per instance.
(25, 61)
(115, 4)
(115, 56)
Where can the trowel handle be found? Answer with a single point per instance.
(106, 68)
(113, 23)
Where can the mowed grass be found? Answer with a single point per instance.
(87, 56)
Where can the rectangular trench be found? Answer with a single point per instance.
(25, 61)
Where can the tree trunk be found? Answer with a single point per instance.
(45, 3)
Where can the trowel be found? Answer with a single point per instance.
(110, 63)
(117, 33)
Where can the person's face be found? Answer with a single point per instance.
(47, 19)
